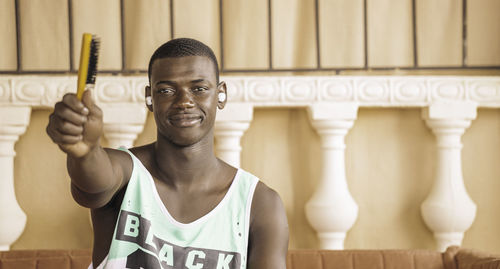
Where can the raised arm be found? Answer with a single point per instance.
(268, 239)
(96, 173)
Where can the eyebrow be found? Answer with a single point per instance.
(175, 83)
(166, 82)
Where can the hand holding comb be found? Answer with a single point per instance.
(86, 80)
(76, 126)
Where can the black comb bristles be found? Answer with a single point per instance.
(93, 58)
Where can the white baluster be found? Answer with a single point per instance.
(14, 121)
(231, 123)
(448, 210)
(332, 211)
(122, 123)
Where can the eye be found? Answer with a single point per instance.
(199, 89)
(167, 90)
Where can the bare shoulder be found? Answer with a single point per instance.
(122, 164)
(266, 201)
(119, 157)
(268, 239)
(122, 160)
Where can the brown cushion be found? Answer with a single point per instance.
(24, 263)
(473, 259)
(453, 258)
(45, 259)
(364, 259)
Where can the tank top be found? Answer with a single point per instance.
(147, 236)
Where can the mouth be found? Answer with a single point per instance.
(182, 120)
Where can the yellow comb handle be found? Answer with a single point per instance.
(84, 64)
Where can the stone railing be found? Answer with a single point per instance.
(448, 105)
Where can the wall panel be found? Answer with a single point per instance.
(245, 27)
(294, 36)
(8, 50)
(103, 19)
(147, 26)
(44, 34)
(390, 33)
(483, 32)
(198, 19)
(341, 33)
(439, 32)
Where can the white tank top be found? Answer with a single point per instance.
(147, 236)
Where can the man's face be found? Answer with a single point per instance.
(184, 93)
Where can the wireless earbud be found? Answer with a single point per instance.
(149, 101)
(222, 97)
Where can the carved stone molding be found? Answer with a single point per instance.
(366, 91)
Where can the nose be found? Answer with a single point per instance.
(184, 100)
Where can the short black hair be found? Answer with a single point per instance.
(181, 47)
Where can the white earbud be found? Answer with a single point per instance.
(222, 97)
(149, 101)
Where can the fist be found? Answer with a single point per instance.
(76, 126)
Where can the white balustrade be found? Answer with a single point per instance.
(231, 123)
(14, 121)
(332, 211)
(333, 103)
(448, 210)
(122, 123)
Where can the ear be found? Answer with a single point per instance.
(147, 93)
(221, 88)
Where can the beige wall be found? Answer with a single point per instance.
(389, 171)
(389, 156)
(45, 41)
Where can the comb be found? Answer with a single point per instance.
(87, 71)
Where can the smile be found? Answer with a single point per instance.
(184, 120)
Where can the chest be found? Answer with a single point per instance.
(186, 206)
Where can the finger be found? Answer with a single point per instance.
(63, 139)
(63, 112)
(72, 102)
(50, 126)
(89, 103)
(68, 128)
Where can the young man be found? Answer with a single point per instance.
(172, 203)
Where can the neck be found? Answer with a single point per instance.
(184, 165)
